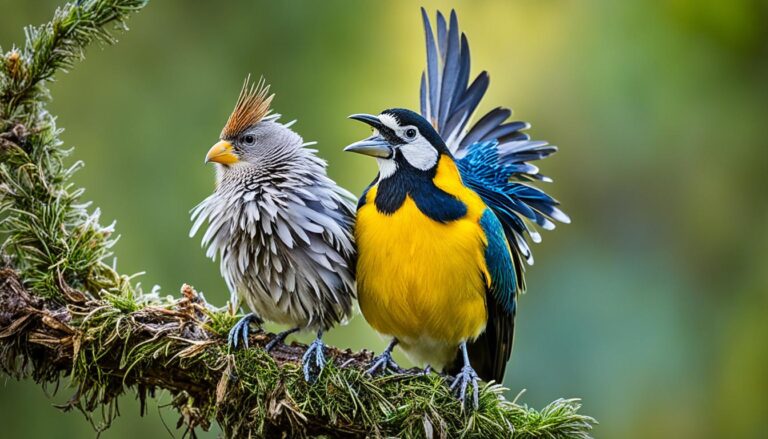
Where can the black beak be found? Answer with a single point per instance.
(374, 146)
(368, 119)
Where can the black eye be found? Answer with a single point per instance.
(410, 133)
(248, 139)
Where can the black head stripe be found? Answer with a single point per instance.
(408, 117)
(389, 134)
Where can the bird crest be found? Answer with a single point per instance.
(252, 105)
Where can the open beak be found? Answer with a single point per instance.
(223, 153)
(374, 146)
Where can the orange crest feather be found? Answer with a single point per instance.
(252, 105)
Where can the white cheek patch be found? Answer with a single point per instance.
(420, 153)
(387, 168)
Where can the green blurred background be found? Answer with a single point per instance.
(651, 306)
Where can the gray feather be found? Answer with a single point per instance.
(283, 232)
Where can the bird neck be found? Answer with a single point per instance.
(420, 186)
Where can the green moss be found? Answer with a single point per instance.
(220, 322)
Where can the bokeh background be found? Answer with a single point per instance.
(651, 306)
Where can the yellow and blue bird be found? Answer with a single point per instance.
(441, 231)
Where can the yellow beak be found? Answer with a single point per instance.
(222, 152)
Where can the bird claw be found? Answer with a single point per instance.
(382, 363)
(315, 349)
(279, 338)
(241, 330)
(462, 381)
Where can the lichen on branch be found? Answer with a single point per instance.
(66, 313)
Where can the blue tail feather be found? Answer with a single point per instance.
(493, 156)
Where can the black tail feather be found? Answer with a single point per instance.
(489, 353)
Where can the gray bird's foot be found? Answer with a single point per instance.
(241, 329)
(382, 364)
(279, 338)
(462, 380)
(314, 359)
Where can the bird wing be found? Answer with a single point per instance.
(492, 154)
(491, 360)
(518, 205)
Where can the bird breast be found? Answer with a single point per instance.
(286, 253)
(421, 280)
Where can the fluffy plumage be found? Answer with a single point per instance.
(280, 227)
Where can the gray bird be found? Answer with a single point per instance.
(282, 229)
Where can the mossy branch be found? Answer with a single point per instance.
(110, 345)
(65, 313)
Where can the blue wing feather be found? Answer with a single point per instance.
(498, 260)
(449, 80)
(493, 156)
(429, 86)
(442, 34)
(498, 176)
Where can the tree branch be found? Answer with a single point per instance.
(111, 345)
(65, 313)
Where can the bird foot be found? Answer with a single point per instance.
(313, 357)
(383, 363)
(462, 380)
(241, 330)
(279, 338)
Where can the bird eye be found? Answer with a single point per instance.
(248, 140)
(410, 133)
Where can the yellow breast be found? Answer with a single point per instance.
(420, 280)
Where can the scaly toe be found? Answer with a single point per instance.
(271, 345)
(382, 364)
(378, 363)
(320, 358)
(241, 330)
(316, 349)
(466, 377)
